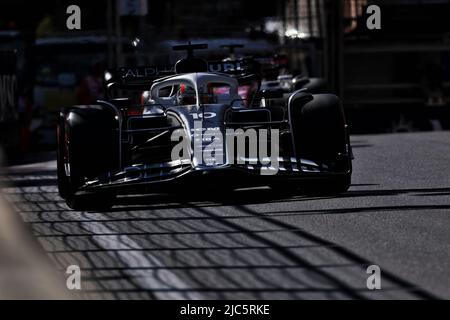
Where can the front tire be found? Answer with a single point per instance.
(86, 148)
(321, 135)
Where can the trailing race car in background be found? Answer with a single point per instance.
(122, 145)
(273, 74)
(277, 77)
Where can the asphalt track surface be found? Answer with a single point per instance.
(256, 244)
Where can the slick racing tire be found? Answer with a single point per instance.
(82, 152)
(319, 128)
(321, 135)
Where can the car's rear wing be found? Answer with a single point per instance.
(130, 75)
(148, 74)
(238, 67)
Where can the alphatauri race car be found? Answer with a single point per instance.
(193, 132)
(273, 74)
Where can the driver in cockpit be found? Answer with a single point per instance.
(186, 95)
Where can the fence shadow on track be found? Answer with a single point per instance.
(163, 246)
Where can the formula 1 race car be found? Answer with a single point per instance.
(274, 75)
(193, 132)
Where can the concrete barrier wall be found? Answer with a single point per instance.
(25, 270)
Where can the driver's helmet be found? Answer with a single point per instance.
(186, 95)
